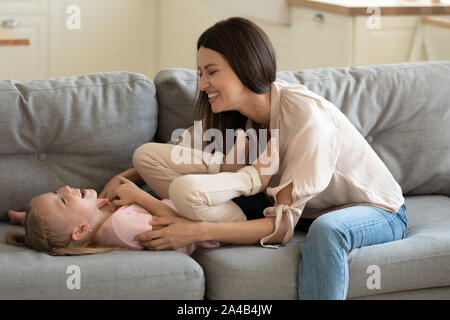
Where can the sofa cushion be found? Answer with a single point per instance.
(419, 261)
(77, 131)
(27, 274)
(397, 107)
(176, 92)
(437, 293)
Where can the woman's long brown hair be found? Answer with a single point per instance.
(250, 54)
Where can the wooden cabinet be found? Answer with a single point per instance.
(146, 36)
(24, 6)
(320, 39)
(391, 43)
(24, 19)
(114, 35)
(324, 39)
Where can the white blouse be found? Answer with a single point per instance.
(328, 161)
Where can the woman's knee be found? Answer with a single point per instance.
(184, 193)
(183, 187)
(326, 229)
(192, 202)
(144, 155)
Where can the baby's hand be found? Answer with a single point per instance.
(127, 192)
(16, 217)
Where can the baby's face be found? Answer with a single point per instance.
(68, 207)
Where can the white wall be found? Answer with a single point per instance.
(144, 35)
(114, 35)
(147, 36)
(183, 21)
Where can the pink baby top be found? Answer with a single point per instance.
(128, 221)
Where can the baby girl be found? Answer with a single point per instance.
(71, 221)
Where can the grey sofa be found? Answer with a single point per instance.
(83, 130)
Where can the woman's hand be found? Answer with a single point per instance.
(126, 191)
(170, 233)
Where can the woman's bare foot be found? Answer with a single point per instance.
(267, 163)
(237, 158)
(16, 217)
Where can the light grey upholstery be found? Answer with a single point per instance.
(26, 274)
(82, 130)
(79, 131)
(421, 260)
(403, 110)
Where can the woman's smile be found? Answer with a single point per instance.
(213, 97)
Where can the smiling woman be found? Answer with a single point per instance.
(228, 70)
(327, 170)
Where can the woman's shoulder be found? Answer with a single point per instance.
(295, 100)
(295, 106)
(290, 87)
(285, 85)
(296, 92)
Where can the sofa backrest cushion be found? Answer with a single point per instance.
(77, 131)
(176, 90)
(403, 110)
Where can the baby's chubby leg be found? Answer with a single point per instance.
(16, 217)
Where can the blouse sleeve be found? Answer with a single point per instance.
(308, 164)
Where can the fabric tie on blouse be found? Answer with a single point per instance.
(278, 211)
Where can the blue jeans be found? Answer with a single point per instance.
(323, 271)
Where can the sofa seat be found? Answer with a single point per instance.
(27, 274)
(411, 265)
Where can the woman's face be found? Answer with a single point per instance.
(224, 89)
(68, 207)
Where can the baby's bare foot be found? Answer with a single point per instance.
(267, 163)
(16, 217)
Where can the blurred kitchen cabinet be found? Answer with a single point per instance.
(24, 19)
(114, 35)
(324, 39)
(390, 43)
(320, 39)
